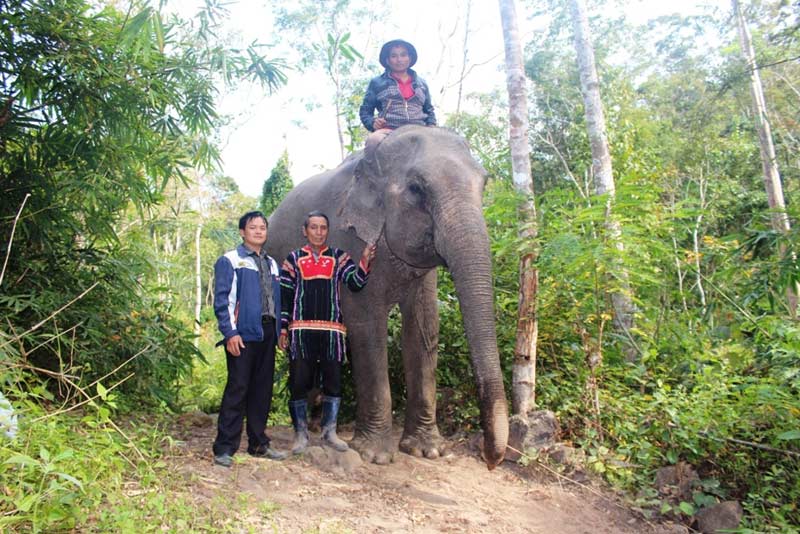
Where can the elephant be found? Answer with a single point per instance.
(418, 198)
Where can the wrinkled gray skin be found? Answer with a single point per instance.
(419, 199)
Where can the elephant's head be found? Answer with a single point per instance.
(422, 189)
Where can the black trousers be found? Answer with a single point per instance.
(318, 363)
(248, 394)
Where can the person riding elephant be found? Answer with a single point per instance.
(399, 95)
(418, 198)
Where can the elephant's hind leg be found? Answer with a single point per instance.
(419, 344)
(372, 437)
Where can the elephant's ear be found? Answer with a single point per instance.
(362, 206)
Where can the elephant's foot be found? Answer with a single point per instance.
(375, 448)
(426, 443)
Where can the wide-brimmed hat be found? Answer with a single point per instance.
(387, 48)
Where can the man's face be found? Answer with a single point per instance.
(254, 234)
(398, 59)
(316, 232)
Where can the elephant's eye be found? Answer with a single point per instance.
(416, 190)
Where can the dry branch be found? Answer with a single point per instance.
(43, 321)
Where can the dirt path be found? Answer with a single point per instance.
(453, 494)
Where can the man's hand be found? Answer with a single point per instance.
(288, 268)
(379, 123)
(283, 340)
(369, 254)
(234, 345)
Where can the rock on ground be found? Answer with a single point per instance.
(723, 516)
(338, 463)
(539, 430)
(676, 482)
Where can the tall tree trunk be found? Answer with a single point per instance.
(679, 270)
(524, 370)
(601, 162)
(198, 301)
(338, 110)
(769, 163)
(463, 74)
(335, 74)
(159, 275)
(696, 242)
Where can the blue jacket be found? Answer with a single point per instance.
(237, 295)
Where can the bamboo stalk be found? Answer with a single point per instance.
(11, 238)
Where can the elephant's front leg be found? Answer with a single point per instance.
(373, 432)
(419, 344)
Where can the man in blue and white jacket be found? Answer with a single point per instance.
(247, 303)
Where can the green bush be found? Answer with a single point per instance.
(75, 471)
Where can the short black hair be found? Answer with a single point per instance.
(315, 213)
(249, 216)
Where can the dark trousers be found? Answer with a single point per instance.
(248, 394)
(303, 371)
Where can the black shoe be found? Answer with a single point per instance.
(265, 451)
(225, 460)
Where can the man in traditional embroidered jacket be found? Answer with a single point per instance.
(311, 324)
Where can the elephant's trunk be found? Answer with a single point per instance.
(463, 242)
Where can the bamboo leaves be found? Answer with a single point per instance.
(103, 110)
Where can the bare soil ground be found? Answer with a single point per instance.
(309, 494)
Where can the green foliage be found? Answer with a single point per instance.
(325, 29)
(202, 389)
(715, 382)
(338, 52)
(276, 186)
(710, 416)
(486, 134)
(103, 112)
(76, 472)
(353, 88)
(709, 388)
(326, 35)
